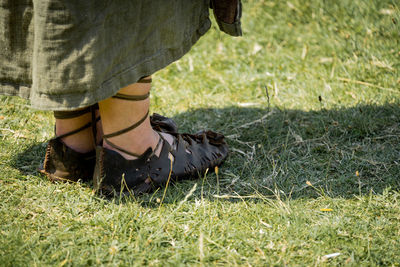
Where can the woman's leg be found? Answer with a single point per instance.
(117, 114)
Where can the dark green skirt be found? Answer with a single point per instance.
(68, 54)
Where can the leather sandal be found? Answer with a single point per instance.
(62, 163)
(190, 156)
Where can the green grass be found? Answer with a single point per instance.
(309, 100)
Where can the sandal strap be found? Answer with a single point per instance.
(94, 124)
(160, 140)
(133, 126)
(87, 125)
(71, 113)
(145, 80)
(132, 97)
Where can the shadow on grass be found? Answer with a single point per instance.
(341, 152)
(30, 159)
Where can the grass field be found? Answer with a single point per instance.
(309, 100)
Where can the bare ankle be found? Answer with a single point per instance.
(81, 143)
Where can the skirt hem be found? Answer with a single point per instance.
(110, 86)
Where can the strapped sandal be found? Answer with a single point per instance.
(62, 163)
(189, 156)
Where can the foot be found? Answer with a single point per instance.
(189, 156)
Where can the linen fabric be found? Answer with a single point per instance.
(63, 55)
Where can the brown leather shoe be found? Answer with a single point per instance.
(192, 155)
(61, 163)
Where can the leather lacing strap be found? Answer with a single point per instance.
(93, 123)
(132, 97)
(87, 125)
(145, 79)
(71, 113)
(135, 97)
(133, 126)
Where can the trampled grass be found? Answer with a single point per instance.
(309, 102)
